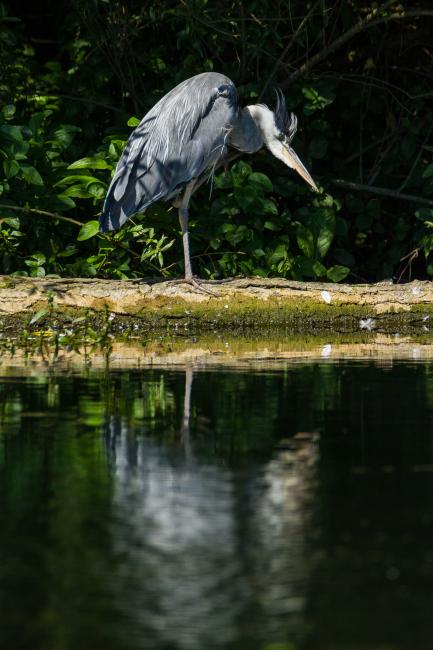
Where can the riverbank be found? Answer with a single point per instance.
(236, 305)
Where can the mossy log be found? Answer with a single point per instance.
(232, 304)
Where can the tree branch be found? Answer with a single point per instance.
(88, 100)
(369, 21)
(42, 213)
(381, 191)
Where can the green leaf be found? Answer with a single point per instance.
(260, 182)
(31, 175)
(11, 133)
(428, 171)
(70, 249)
(374, 208)
(35, 261)
(305, 240)
(424, 214)
(316, 100)
(64, 135)
(325, 237)
(98, 190)
(408, 145)
(270, 225)
(245, 197)
(90, 229)
(318, 269)
(20, 150)
(267, 206)
(39, 314)
(337, 273)
(8, 111)
(13, 222)
(60, 203)
(133, 121)
(37, 119)
(77, 191)
(39, 258)
(10, 168)
(91, 162)
(280, 253)
(77, 178)
(239, 172)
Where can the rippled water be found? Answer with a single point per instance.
(218, 509)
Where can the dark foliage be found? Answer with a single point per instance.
(358, 75)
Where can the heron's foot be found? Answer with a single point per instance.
(196, 283)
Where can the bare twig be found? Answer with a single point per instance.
(287, 48)
(373, 19)
(42, 213)
(417, 158)
(87, 100)
(368, 147)
(381, 191)
(410, 257)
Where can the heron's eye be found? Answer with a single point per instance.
(281, 137)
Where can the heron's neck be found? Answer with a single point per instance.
(264, 120)
(246, 135)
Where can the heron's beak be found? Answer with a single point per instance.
(292, 160)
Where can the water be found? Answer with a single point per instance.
(273, 509)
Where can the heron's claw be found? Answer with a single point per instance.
(195, 282)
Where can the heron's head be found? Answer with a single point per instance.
(278, 129)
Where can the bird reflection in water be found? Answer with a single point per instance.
(211, 556)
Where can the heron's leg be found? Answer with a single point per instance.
(189, 375)
(183, 218)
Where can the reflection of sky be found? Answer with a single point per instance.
(203, 551)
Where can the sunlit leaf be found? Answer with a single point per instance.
(90, 229)
(36, 317)
(77, 178)
(337, 273)
(90, 162)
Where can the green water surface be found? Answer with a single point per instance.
(273, 509)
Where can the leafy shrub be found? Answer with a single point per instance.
(64, 122)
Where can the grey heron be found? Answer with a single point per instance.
(179, 143)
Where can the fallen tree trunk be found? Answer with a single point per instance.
(239, 302)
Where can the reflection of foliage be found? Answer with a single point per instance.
(364, 118)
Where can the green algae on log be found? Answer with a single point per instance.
(237, 303)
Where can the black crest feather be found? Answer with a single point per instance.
(287, 123)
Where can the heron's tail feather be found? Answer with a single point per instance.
(122, 200)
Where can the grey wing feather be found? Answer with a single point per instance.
(182, 135)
